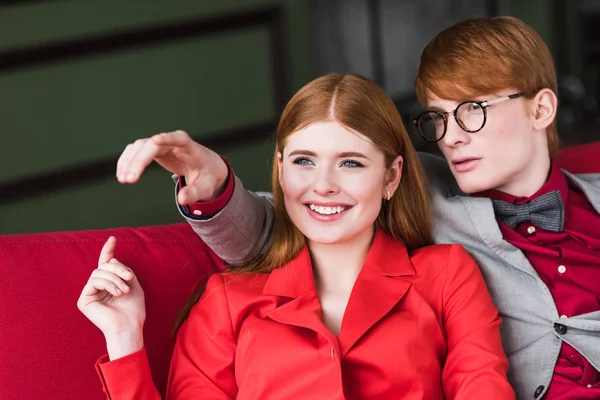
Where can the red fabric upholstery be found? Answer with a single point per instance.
(48, 349)
(581, 159)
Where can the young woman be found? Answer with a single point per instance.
(350, 302)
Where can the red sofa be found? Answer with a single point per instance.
(48, 349)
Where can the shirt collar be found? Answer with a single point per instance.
(386, 256)
(556, 181)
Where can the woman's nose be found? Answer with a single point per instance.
(326, 183)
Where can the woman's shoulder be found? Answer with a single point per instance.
(435, 251)
(238, 293)
(435, 258)
(238, 284)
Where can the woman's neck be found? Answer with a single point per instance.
(336, 266)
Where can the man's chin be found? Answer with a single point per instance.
(470, 186)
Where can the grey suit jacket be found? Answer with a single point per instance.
(530, 337)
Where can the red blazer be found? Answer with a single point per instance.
(418, 325)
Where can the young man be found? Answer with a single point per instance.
(489, 88)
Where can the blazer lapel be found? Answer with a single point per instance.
(589, 185)
(481, 212)
(378, 288)
(296, 281)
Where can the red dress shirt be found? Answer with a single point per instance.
(568, 263)
(418, 325)
(209, 209)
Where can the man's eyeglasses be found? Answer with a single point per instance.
(470, 115)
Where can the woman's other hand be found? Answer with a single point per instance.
(114, 301)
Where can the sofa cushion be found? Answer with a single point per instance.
(581, 159)
(47, 347)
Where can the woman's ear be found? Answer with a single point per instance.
(279, 165)
(544, 107)
(393, 177)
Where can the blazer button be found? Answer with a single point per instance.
(538, 391)
(560, 328)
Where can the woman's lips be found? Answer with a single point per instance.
(327, 213)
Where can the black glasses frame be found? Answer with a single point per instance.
(483, 104)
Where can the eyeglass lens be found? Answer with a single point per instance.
(469, 116)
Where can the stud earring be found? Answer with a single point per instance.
(389, 196)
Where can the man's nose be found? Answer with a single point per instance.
(455, 135)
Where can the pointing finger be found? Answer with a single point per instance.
(108, 250)
(127, 157)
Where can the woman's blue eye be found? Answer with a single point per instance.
(302, 161)
(351, 164)
(345, 164)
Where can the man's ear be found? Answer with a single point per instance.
(544, 107)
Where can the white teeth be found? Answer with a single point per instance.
(326, 210)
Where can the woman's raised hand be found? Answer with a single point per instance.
(114, 301)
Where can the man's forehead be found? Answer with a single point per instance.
(436, 101)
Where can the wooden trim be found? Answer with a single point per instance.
(376, 41)
(279, 57)
(17, 3)
(127, 40)
(79, 175)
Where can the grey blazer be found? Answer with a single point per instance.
(529, 329)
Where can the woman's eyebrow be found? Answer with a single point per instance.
(302, 153)
(344, 154)
(354, 154)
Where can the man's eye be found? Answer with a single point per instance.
(303, 161)
(351, 164)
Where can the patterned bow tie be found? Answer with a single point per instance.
(546, 212)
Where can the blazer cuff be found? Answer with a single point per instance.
(207, 209)
(120, 375)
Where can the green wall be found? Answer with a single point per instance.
(69, 113)
(83, 110)
(558, 23)
(538, 14)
